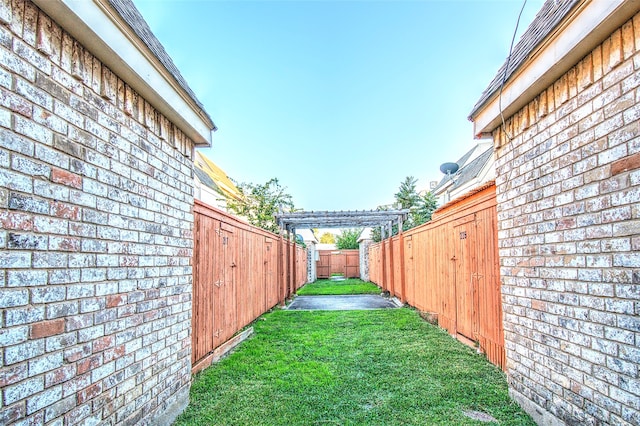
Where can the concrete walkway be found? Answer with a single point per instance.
(342, 303)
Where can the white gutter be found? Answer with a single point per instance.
(103, 32)
(589, 25)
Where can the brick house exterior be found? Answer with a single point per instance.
(97, 131)
(568, 190)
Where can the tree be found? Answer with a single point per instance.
(376, 234)
(327, 238)
(420, 207)
(427, 205)
(259, 204)
(407, 196)
(348, 239)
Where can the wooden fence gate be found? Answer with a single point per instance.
(449, 267)
(343, 262)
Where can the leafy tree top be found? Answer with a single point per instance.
(259, 203)
(327, 238)
(407, 195)
(420, 207)
(348, 239)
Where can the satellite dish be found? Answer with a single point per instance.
(449, 168)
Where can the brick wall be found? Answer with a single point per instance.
(568, 191)
(96, 237)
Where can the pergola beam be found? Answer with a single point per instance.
(348, 213)
(340, 219)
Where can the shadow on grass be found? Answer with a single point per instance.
(385, 367)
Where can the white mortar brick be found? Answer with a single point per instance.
(91, 259)
(585, 325)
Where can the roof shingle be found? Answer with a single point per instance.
(130, 14)
(547, 19)
(468, 171)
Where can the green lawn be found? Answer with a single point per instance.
(348, 286)
(380, 367)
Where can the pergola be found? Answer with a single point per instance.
(342, 219)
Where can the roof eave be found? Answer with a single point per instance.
(577, 34)
(101, 30)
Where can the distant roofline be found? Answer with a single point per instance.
(448, 184)
(221, 180)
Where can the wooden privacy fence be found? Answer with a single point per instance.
(239, 272)
(345, 262)
(450, 268)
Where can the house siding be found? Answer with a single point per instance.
(96, 195)
(568, 190)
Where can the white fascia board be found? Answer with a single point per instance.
(590, 24)
(101, 30)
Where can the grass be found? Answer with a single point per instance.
(348, 286)
(380, 367)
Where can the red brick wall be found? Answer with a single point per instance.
(568, 188)
(95, 238)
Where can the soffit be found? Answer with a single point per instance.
(574, 29)
(109, 35)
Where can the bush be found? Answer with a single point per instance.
(348, 239)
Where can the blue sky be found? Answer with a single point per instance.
(340, 100)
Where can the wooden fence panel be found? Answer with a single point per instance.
(270, 273)
(409, 267)
(396, 268)
(488, 287)
(338, 262)
(323, 264)
(352, 264)
(301, 267)
(239, 272)
(450, 267)
(374, 263)
(387, 265)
